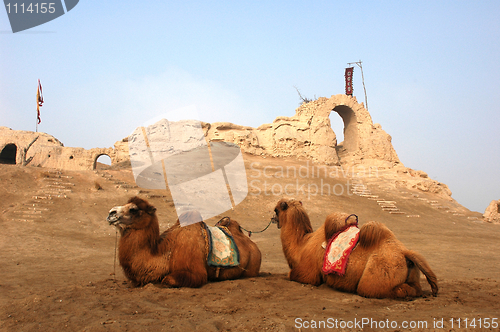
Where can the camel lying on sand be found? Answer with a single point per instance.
(178, 257)
(379, 266)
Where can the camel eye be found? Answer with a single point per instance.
(134, 210)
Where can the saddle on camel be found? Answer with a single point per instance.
(183, 256)
(368, 261)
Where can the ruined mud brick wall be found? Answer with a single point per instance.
(48, 151)
(309, 134)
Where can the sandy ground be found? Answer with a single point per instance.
(58, 268)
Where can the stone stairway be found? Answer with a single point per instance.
(153, 193)
(118, 183)
(55, 186)
(360, 189)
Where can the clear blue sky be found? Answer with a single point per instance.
(432, 73)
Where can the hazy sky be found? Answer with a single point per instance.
(432, 73)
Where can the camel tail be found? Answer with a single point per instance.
(423, 266)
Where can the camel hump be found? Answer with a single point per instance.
(423, 266)
(336, 222)
(372, 233)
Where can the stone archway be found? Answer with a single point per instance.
(350, 143)
(8, 154)
(105, 166)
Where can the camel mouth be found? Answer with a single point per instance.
(113, 217)
(275, 220)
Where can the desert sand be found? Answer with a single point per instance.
(59, 271)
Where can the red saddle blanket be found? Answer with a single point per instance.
(338, 249)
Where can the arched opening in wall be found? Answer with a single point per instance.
(8, 154)
(348, 142)
(338, 128)
(102, 162)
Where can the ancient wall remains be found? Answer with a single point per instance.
(309, 134)
(48, 151)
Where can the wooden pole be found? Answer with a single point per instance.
(358, 63)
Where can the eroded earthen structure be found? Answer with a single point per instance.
(492, 213)
(307, 134)
(40, 149)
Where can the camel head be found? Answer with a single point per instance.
(282, 208)
(137, 214)
(233, 225)
(226, 221)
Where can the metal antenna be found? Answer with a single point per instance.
(358, 63)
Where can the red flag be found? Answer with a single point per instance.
(348, 80)
(39, 101)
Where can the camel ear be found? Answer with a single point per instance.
(284, 206)
(151, 210)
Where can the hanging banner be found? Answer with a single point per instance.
(39, 101)
(348, 80)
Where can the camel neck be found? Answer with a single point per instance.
(294, 232)
(140, 239)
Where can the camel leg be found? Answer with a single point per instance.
(405, 290)
(188, 267)
(305, 275)
(384, 276)
(185, 279)
(253, 266)
(252, 272)
(411, 288)
(413, 279)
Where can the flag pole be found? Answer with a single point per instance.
(37, 96)
(358, 63)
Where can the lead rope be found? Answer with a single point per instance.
(114, 263)
(250, 232)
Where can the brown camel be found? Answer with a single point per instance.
(380, 266)
(178, 257)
